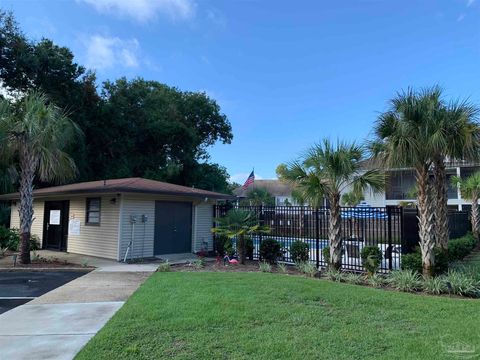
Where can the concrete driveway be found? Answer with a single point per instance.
(58, 324)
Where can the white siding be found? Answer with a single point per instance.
(142, 244)
(37, 225)
(143, 236)
(102, 240)
(202, 226)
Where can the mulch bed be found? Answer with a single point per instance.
(250, 266)
(6, 262)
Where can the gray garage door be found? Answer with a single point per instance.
(173, 227)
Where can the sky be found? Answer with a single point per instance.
(286, 73)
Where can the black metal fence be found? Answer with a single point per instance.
(458, 226)
(360, 226)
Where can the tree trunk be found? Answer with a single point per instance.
(241, 249)
(426, 220)
(441, 209)
(475, 217)
(334, 233)
(27, 174)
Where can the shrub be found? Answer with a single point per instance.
(371, 258)
(265, 266)
(461, 247)
(307, 268)
(462, 284)
(282, 268)
(326, 254)
(412, 262)
(334, 275)
(434, 285)
(9, 238)
(164, 267)
(223, 245)
(377, 280)
(353, 278)
(299, 251)
(270, 250)
(405, 280)
(199, 263)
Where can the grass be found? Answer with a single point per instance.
(205, 315)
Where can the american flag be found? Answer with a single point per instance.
(250, 180)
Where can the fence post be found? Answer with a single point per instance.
(389, 235)
(261, 221)
(317, 238)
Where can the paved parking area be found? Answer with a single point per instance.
(20, 287)
(57, 324)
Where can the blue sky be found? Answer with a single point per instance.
(286, 73)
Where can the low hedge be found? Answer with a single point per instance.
(270, 250)
(299, 251)
(457, 250)
(461, 247)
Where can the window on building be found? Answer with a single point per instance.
(93, 211)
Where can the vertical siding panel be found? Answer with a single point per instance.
(143, 231)
(203, 226)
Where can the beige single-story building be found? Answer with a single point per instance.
(122, 218)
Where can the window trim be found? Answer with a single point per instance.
(87, 211)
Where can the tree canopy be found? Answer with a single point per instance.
(132, 127)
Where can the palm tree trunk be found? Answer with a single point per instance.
(334, 233)
(27, 174)
(441, 213)
(475, 217)
(426, 220)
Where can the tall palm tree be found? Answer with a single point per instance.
(238, 224)
(470, 189)
(404, 139)
(34, 132)
(326, 170)
(456, 136)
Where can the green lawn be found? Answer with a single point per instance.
(206, 315)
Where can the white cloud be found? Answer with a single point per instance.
(103, 52)
(460, 17)
(470, 2)
(145, 10)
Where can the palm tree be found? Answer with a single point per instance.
(260, 196)
(238, 224)
(404, 139)
(456, 136)
(34, 132)
(326, 170)
(352, 198)
(470, 189)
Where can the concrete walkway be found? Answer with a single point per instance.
(58, 324)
